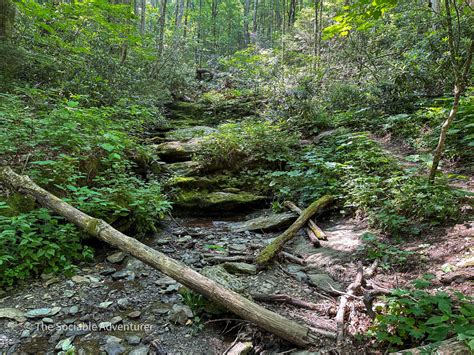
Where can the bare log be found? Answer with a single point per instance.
(318, 232)
(223, 259)
(451, 346)
(341, 311)
(269, 252)
(287, 329)
(293, 258)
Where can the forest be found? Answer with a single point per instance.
(236, 177)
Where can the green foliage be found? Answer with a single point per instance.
(36, 242)
(354, 168)
(236, 145)
(411, 317)
(388, 255)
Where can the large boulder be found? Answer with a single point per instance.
(185, 168)
(203, 202)
(264, 223)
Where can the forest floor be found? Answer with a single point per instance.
(118, 304)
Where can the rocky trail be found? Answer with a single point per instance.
(120, 305)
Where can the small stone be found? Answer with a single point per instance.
(64, 344)
(133, 340)
(134, 314)
(240, 268)
(73, 310)
(105, 325)
(123, 303)
(142, 350)
(180, 314)
(165, 281)
(116, 258)
(47, 320)
(42, 312)
(239, 248)
(324, 282)
(12, 313)
(69, 293)
(80, 279)
(108, 271)
(25, 334)
(124, 274)
(112, 339)
(113, 348)
(105, 305)
(116, 320)
(185, 239)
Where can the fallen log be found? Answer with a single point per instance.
(285, 328)
(318, 232)
(269, 252)
(341, 311)
(282, 298)
(451, 346)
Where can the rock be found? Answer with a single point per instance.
(73, 310)
(116, 258)
(142, 350)
(187, 168)
(12, 313)
(240, 268)
(185, 239)
(133, 340)
(112, 339)
(80, 279)
(135, 265)
(134, 314)
(220, 275)
(124, 274)
(264, 223)
(113, 348)
(237, 248)
(105, 305)
(42, 312)
(202, 202)
(68, 293)
(123, 303)
(177, 151)
(116, 320)
(25, 334)
(324, 282)
(105, 325)
(108, 271)
(64, 344)
(47, 320)
(180, 314)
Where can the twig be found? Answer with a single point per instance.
(293, 258)
(282, 298)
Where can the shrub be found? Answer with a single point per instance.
(36, 242)
(413, 317)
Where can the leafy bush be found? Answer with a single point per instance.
(36, 242)
(236, 145)
(387, 254)
(413, 317)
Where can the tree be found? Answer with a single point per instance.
(7, 17)
(461, 67)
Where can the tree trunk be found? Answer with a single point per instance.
(254, 26)
(246, 23)
(260, 316)
(7, 17)
(162, 27)
(142, 16)
(272, 249)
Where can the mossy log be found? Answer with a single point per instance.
(272, 249)
(318, 232)
(285, 328)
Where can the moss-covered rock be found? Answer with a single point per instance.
(202, 202)
(197, 182)
(188, 133)
(185, 168)
(221, 276)
(177, 151)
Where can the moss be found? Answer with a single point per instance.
(201, 202)
(206, 183)
(92, 227)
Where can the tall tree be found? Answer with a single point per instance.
(246, 22)
(162, 28)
